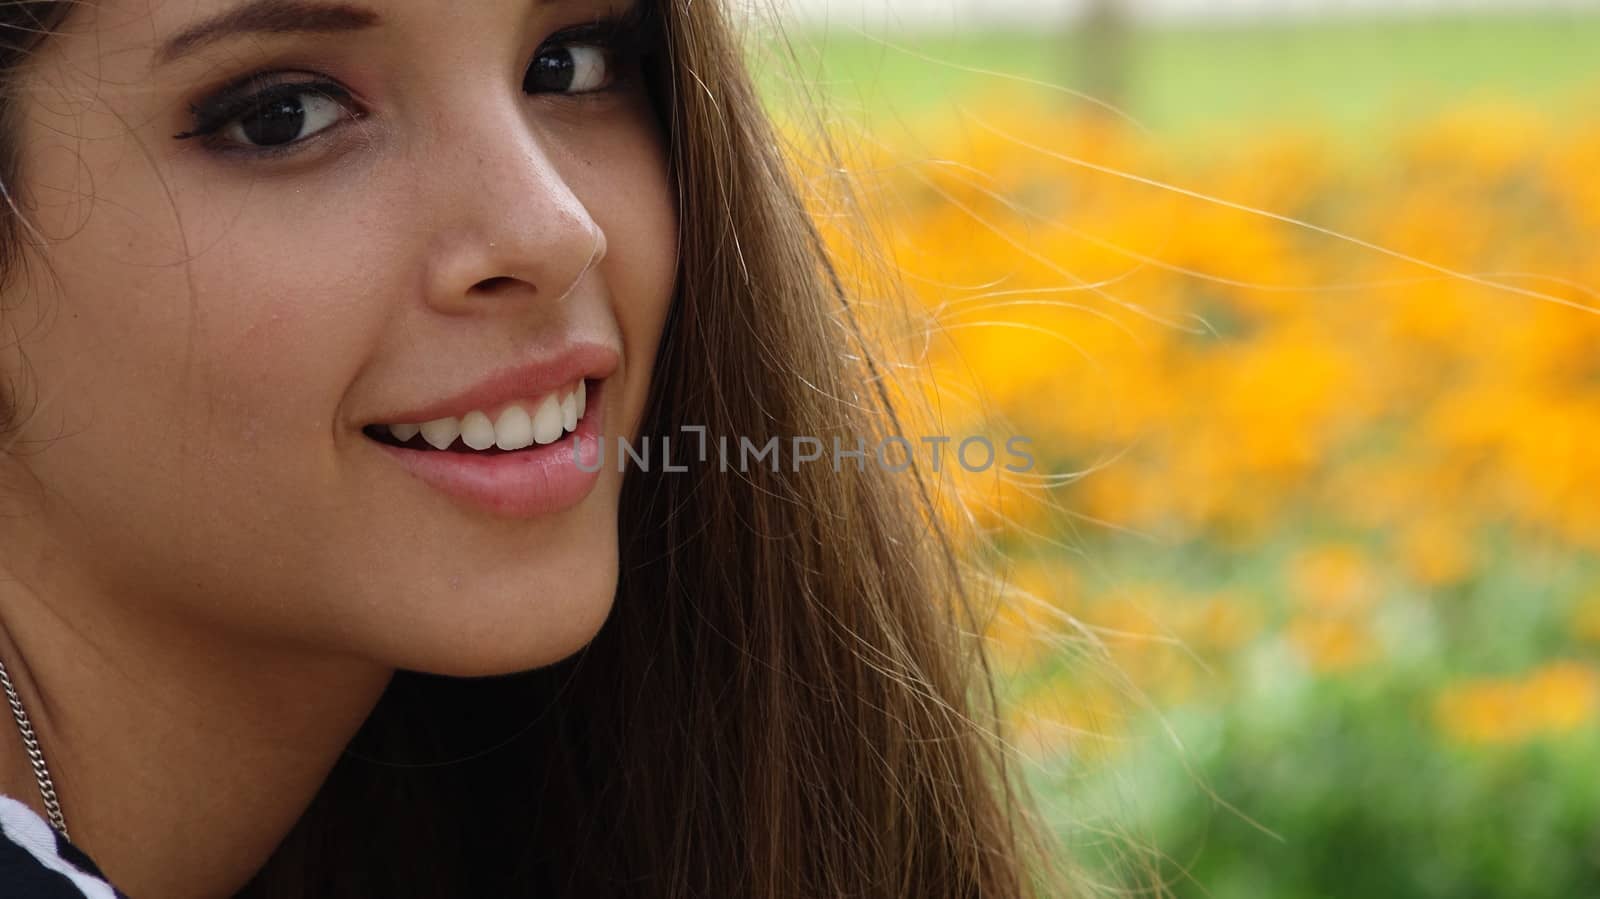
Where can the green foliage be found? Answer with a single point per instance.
(1365, 799)
(1210, 82)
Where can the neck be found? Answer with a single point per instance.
(180, 758)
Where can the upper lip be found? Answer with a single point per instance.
(526, 381)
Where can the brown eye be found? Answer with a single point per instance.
(285, 119)
(273, 120)
(569, 69)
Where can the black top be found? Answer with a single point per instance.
(37, 862)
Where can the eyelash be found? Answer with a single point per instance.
(618, 38)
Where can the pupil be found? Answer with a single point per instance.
(278, 122)
(550, 72)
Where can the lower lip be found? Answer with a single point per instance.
(529, 483)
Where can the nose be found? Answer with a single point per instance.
(509, 233)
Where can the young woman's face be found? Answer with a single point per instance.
(401, 212)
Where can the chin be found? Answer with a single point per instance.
(499, 626)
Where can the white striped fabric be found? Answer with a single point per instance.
(41, 870)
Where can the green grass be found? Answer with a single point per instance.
(1353, 75)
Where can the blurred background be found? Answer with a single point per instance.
(1297, 303)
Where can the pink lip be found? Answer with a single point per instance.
(524, 382)
(529, 483)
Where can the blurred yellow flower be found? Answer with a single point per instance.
(1223, 620)
(1586, 618)
(1333, 577)
(1435, 552)
(1332, 644)
(1035, 611)
(1555, 699)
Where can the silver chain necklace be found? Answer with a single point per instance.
(41, 772)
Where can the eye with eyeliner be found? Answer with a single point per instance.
(619, 38)
(254, 94)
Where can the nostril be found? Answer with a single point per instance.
(495, 285)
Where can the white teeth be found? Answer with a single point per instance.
(547, 421)
(477, 431)
(442, 432)
(569, 411)
(514, 430)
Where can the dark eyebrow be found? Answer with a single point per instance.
(268, 17)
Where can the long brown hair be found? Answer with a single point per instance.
(791, 696)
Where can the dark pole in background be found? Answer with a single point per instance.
(1101, 51)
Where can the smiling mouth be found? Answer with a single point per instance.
(515, 427)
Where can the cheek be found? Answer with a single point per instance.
(638, 211)
(166, 280)
(251, 337)
(184, 326)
